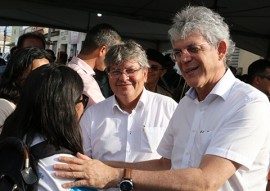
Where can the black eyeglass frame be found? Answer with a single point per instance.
(129, 72)
(84, 100)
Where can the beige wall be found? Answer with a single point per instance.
(245, 59)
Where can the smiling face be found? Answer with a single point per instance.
(201, 64)
(128, 88)
(155, 72)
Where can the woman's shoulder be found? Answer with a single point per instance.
(4, 103)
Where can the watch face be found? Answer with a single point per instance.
(126, 185)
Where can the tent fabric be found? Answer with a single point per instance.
(147, 20)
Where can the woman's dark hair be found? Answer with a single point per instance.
(47, 108)
(20, 60)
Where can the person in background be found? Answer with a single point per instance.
(12, 50)
(49, 109)
(31, 40)
(97, 42)
(51, 52)
(218, 137)
(102, 79)
(243, 77)
(135, 119)
(2, 62)
(156, 71)
(2, 66)
(21, 63)
(234, 70)
(62, 58)
(175, 82)
(259, 75)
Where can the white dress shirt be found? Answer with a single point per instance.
(109, 133)
(91, 87)
(232, 122)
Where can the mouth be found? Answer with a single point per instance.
(191, 70)
(123, 84)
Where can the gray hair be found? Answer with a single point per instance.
(205, 22)
(126, 51)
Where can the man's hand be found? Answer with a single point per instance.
(87, 172)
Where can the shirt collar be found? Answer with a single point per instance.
(83, 65)
(221, 89)
(142, 101)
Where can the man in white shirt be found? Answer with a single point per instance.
(219, 136)
(97, 42)
(129, 125)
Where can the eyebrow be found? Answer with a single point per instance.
(191, 44)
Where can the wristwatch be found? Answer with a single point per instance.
(126, 183)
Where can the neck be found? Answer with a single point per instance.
(151, 87)
(100, 67)
(88, 59)
(127, 104)
(202, 92)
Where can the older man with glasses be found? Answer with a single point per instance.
(129, 125)
(218, 137)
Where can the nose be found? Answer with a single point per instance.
(123, 76)
(185, 58)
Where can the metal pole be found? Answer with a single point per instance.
(5, 36)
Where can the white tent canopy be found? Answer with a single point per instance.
(145, 20)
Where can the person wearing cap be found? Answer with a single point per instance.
(157, 69)
(259, 75)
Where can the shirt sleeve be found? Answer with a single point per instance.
(244, 134)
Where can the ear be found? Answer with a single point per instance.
(145, 74)
(102, 50)
(222, 49)
(257, 80)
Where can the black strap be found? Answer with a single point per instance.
(44, 149)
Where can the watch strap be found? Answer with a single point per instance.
(127, 174)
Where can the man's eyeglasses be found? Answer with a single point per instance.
(154, 68)
(130, 72)
(190, 49)
(84, 101)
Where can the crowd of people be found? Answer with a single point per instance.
(132, 122)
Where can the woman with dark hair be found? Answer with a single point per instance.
(49, 109)
(21, 63)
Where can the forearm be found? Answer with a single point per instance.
(158, 164)
(170, 180)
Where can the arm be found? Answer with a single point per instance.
(152, 165)
(211, 175)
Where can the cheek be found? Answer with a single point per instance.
(79, 110)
